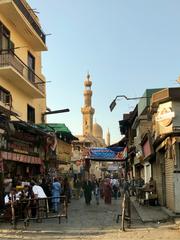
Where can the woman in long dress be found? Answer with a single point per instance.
(107, 191)
(87, 187)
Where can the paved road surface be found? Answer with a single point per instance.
(92, 222)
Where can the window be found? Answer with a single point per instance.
(30, 114)
(31, 67)
(4, 38)
(5, 96)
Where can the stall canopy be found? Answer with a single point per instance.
(111, 154)
(60, 129)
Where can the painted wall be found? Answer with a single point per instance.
(64, 150)
(20, 101)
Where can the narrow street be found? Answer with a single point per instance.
(91, 222)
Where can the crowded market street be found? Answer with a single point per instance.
(91, 222)
(107, 167)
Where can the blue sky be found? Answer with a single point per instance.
(126, 45)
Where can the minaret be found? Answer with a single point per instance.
(87, 110)
(108, 138)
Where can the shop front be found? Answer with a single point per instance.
(166, 131)
(5, 113)
(22, 151)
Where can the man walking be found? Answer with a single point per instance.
(56, 192)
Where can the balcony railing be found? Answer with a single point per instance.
(30, 19)
(9, 59)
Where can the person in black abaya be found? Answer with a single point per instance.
(87, 187)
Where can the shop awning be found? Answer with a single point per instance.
(59, 128)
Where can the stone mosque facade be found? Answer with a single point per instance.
(92, 132)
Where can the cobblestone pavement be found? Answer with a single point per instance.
(91, 222)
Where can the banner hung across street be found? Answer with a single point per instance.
(107, 154)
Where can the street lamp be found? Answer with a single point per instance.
(54, 112)
(113, 104)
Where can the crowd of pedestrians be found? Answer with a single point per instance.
(109, 188)
(34, 197)
(100, 188)
(48, 191)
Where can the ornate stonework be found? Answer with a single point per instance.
(87, 109)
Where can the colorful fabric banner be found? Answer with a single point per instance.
(107, 154)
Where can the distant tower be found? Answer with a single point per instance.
(108, 138)
(87, 110)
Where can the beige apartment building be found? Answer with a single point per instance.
(22, 90)
(22, 84)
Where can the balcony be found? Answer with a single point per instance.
(20, 75)
(24, 22)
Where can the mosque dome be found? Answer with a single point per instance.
(97, 131)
